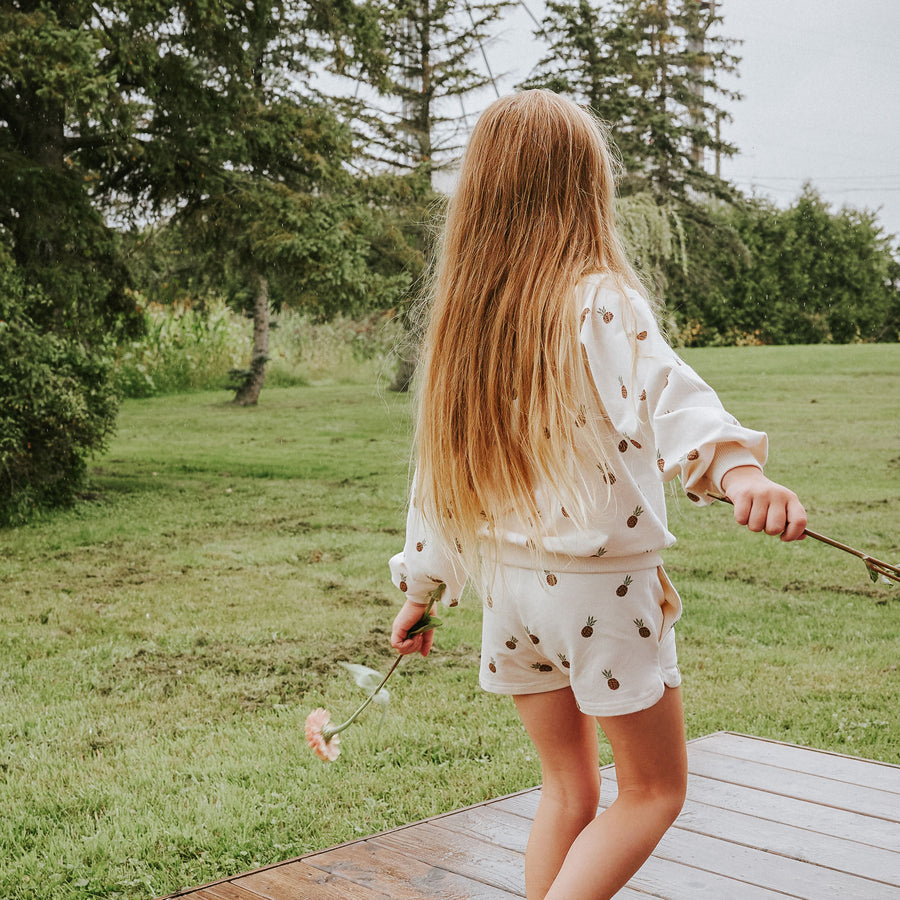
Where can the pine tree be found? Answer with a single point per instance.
(436, 58)
(650, 69)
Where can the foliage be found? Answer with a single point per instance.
(653, 235)
(175, 631)
(194, 347)
(59, 102)
(652, 71)
(56, 404)
(430, 46)
(805, 274)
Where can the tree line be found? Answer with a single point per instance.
(287, 152)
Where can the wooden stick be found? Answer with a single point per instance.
(875, 566)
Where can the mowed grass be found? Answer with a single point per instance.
(163, 641)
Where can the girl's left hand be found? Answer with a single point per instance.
(764, 505)
(405, 620)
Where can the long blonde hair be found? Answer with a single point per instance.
(504, 384)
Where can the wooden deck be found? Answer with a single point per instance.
(762, 820)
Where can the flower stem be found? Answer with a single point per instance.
(331, 730)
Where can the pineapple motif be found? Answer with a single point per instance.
(634, 443)
(454, 602)
(607, 315)
(693, 454)
(584, 314)
(547, 432)
(403, 585)
(458, 545)
(623, 445)
(542, 667)
(660, 462)
(564, 660)
(613, 683)
(642, 335)
(609, 477)
(623, 388)
(692, 497)
(534, 638)
(600, 552)
(563, 511)
(489, 601)
(622, 589)
(512, 642)
(643, 395)
(643, 630)
(492, 665)
(588, 629)
(551, 579)
(581, 419)
(633, 518)
(420, 546)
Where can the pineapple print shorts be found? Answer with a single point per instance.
(608, 635)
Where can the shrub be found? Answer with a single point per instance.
(189, 347)
(57, 405)
(183, 348)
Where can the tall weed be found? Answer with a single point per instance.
(188, 348)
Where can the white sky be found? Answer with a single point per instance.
(821, 86)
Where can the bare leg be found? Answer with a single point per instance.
(566, 741)
(651, 771)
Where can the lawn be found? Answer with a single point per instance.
(163, 640)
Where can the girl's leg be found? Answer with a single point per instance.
(651, 770)
(566, 741)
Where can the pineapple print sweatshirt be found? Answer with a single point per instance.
(664, 421)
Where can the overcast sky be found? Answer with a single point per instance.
(821, 86)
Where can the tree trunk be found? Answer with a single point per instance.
(248, 392)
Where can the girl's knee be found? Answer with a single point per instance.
(580, 797)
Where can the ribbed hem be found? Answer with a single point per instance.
(523, 558)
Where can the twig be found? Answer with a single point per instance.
(875, 566)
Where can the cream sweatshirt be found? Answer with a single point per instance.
(664, 421)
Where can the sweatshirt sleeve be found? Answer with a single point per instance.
(647, 390)
(426, 561)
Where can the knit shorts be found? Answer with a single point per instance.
(607, 635)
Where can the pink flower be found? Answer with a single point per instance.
(321, 735)
(323, 743)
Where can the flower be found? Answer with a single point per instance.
(324, 745)
(321, 735)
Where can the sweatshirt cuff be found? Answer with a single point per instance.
(730, 456)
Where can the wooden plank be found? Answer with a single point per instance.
(224, 890)
(857, 798)
(766, 870)
(298, 879)
(804, 845)
(853, 769)
(462, 854)
(494, 826)
(400, 876)
(672, 880)
(524, 805)
(805, 814)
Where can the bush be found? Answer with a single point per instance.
(188, 347)
(57, 405)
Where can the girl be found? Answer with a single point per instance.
(550, 412)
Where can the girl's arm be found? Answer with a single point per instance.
(763, 505)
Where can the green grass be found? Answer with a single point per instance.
(162, 642)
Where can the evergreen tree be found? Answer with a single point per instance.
(436, 58)
(140, 107)
(651, 70)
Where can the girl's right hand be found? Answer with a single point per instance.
(764, 505)
(406, 620)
